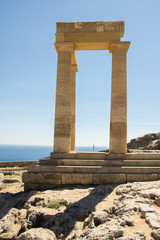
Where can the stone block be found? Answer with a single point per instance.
(34, 168)
(40, 187)
(86, 27)
(44, 178)
(141, 177)
(109, 178)
(77, 178)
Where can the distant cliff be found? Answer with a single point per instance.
(149, 141)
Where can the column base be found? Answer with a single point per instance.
(118, 138)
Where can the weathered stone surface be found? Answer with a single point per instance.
(123, 189)
(41, 200)
(108, 230)
(77, 178)
(127, 221)
(145, 141)
(145, 208)
(125, 205)
(150, 193)
(44, 178)
(141, 177)
(154, 145)
(60, 223)
(156, 234)
(75, 234)
(132, 200)
(77, 211)
(157, 201)
(37, 234)
(95, 219)
(11, 180)
(2, 185)
(7, 223)
(134, 236)
(1, 176)
(109, 178)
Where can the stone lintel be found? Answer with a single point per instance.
(90, 35)
(90, 27)
(119, 45)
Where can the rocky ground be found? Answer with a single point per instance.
(123, 212)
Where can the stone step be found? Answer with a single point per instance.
(103, 156)
(93, 169)
(80, 162)
(94, 162)
(147, 162)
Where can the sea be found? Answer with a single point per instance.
(29, 153)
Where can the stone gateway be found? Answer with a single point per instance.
(89, 36)
(65, 166)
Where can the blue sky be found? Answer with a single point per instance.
(28, 63)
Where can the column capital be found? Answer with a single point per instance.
(119, 45)
(64, 46)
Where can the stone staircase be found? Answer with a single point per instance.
(91, 168)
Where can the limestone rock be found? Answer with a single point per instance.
(60, 223)
(9, 172)
(152, 218)
(35, 218)
(134, 236)
(127, 221)
(123, 189)
(125, 205)
(150, 193)
(156, 234)
(2, 185)
(37, 234)
(1, 176)
(108, 230)
(157, 201)
(101, 189)
(11, 180)
(146, 208)
(144, 141)
(77, 211)
(137, 198)
(75, 234)
(37, 201)
(95, 219)
(154, 145)
(7, 223)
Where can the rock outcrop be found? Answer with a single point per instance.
(149, 141)
(37, 234)
(108, 212)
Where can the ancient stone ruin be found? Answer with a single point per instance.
(65, 166)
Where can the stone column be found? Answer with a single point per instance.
(118, 121)
(73, 105)
(62, 128)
